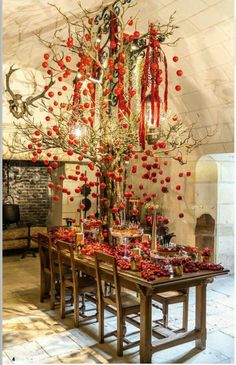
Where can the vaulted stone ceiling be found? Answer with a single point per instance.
(205, 50)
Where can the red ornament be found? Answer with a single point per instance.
(178, 87)
(178, 187)
(68, 58)
(179, 72)
(164, 189)
(54, 165)
(46, 56)
(181, 215)
(45, 64)
(114, 210)
(112, 44)
(167, 179)
(130, 22)
(70, 42)
(51, 185)
(175, 58)
(181, 174)
(188, 173)
(134, 169)
(136, 34)
(56, 198)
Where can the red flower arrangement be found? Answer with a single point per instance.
(206, 251)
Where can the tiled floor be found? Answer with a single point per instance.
(34, 334)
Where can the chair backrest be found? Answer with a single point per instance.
(66, 256)
(47, 257)
(101, 259)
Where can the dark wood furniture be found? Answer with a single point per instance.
(165, 338)
(49, 267)
(78, 285)
(45, 273)
(124, 303)
(173, 297)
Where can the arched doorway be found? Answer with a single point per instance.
(215, 196)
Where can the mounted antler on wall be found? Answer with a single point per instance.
(18, 107)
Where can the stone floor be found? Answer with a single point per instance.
(34, 334)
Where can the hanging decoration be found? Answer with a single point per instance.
(101, 78)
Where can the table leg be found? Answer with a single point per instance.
(145, 326)
(200, 321)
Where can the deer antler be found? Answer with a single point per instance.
(8, 75)
(31, 99)
(17, 106)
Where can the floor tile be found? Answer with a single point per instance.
(29, 352)
(58, 344)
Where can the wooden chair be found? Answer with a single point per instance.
(48, 269)
(124, 303)
(78, 285)
(172, 297)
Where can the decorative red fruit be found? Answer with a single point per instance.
(68, 58)
(175, 58)
(56, 198)
(179, 72)
(112, 44)
(178, 87)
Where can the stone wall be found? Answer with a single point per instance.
(29, 189)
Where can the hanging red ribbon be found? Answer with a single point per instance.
(152, 77)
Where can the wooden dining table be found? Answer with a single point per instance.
(167, 338)
(164, 337)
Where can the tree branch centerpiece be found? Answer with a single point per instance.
(106, 91)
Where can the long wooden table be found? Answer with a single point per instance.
(167, 338)
(134, 281)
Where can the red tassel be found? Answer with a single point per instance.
(142, 130)
(166, 84)
(157, 96)
(144, 83)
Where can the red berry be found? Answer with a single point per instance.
(175, 58)
(179, 72)
(46, 56)
(178, 87)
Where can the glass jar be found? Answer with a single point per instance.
(178, 270)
